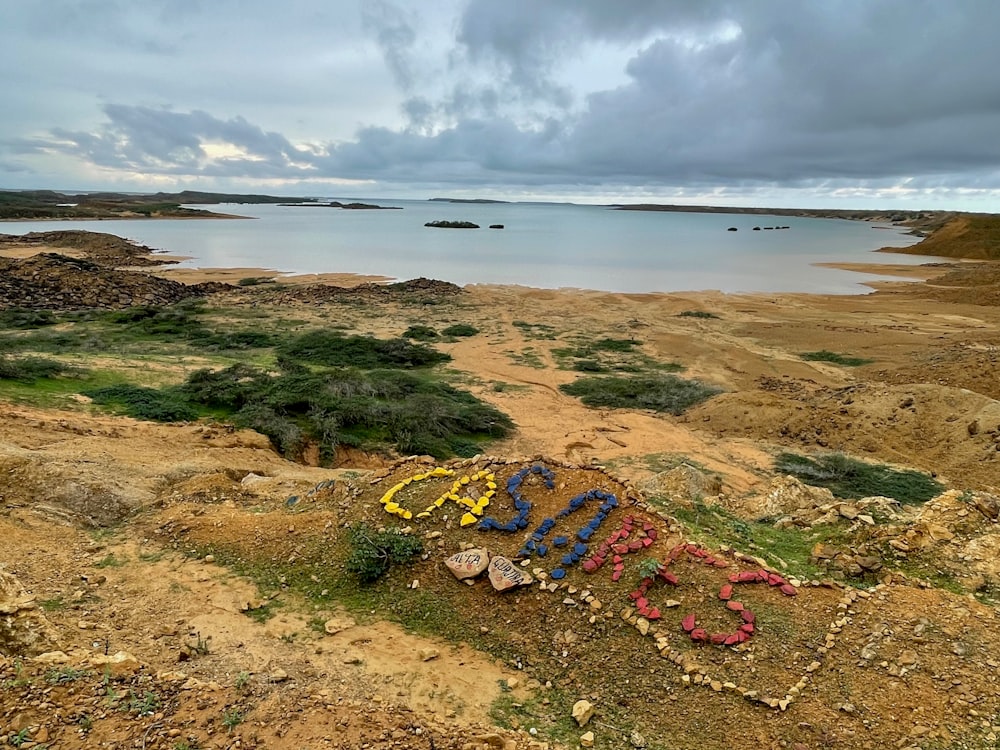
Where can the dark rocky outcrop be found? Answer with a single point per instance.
(451, 225)
(496, 226)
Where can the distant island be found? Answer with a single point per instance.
(466, 200)
(451, 225)
(19, 205)
(338, 204)
(920, 222)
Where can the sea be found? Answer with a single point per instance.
(542, 245)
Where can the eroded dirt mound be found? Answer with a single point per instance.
(946, 431)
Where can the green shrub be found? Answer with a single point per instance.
(334, 349)
(256, 280)
(460, 329)
(20, 318)
(696, 314)
(419, 332)
(838, 359)
(145, 403)
(614, 345)
(667, 393)
(374, 552)
(30, 369)
(236, 340)
(848, 477)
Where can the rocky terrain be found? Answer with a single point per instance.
(184, 586)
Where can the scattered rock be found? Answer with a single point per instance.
(583, 711)
(587, 739)
(426, 654)
(121, 664)
(24, 629)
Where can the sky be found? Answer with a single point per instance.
(830, 103)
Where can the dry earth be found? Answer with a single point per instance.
(131, 536)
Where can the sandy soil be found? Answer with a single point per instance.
(927, 400)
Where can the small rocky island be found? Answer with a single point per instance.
(451, 225)
(338, 204)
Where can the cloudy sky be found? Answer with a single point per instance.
(730, 102)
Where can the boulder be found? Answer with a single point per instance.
(683, 485)
(24, 629)
(505, 575)
(783, 496)
(583, 711)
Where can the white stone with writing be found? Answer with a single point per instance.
(468, 564)
(506, 575)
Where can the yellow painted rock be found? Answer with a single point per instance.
(464, 480)
(423, 514)
(467, 520)
(407, 515)
(392, 507)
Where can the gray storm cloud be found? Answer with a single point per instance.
(710, 93)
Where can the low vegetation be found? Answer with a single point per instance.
(335, 349)
(838, 359)
(664, 393)
(697, 314)
(374, 552)
(459, 330)
(30, 369)
(420, 332)
(849, 478)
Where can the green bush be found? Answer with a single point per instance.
(667, 393)
(374, 552)
(334, 349)
(17, 317)
(696, 314)
(419, 332)
(838, 359)
(30, 369)
(145, 403)
(460, 329)
(848, 477)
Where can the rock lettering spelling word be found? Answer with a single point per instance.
(506, 575)
(468, 564)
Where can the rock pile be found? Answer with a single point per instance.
(49, 281)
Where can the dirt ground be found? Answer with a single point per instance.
(107, 522)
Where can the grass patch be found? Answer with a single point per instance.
(62, 675)
(460, 330)
(110, 561)
(838, 359)
(256, 280)
(716, 526)
(264, 612)
(664, 393)
(527, 358)
(535, 330)
(697, 314)
(848, 477)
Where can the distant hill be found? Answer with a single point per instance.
(49, 204)
(974, 236)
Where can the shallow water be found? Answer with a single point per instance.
(542, 245)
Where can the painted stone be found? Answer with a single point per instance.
(468, 564)
(506, 575)
(726, 592)
(788, 590)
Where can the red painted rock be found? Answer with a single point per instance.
(646, 542)
(789, 590)
(698, 635)
(746, 627)
(633, 595)
(651, 533)
(616, 575)
(669, 577)
(635, 545)
(614, 537)
(647, 526)
(709, 560)
(735, 606)
(619, 565)
(775, 580)
(691, 549)
(617, 559)
(624, 531)
(599, 560)
(654, 614)
(734, 577)
(718, 638)
(645, 583)
(603, 550)
(589, 566)
(731, 639)
(642, 602)
(747, 576)
(743, 636)
(720, 563)
(621, 549)
(763, 576)
(748, 616)
(629, 520)
(644, 611)
(726, 592)
(687, 624)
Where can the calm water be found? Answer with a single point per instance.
(543, 245)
